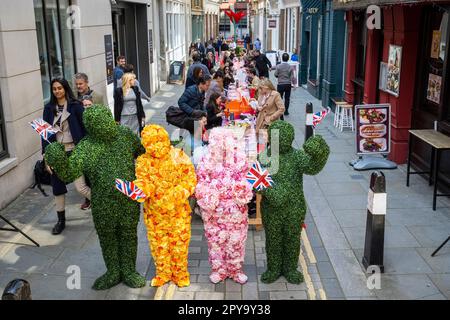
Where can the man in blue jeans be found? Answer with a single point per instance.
(285, 73)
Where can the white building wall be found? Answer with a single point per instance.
(22, 98)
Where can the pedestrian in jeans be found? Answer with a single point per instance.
(285, 73)
(65, 113)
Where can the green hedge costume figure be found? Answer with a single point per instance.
(283, 207)
(107, 152)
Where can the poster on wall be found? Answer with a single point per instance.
(109, 57)
(434, 88)
(394, 69)
(436, 44)
(373, 124)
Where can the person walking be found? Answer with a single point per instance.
(216, 86)
(129, 68)
(65, 113)
(118, 70)
(85, 94)
(285, 74)
(263, 64)
(196, 57)
(128, 109)
(270, 105)
(257, 44)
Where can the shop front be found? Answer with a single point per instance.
(405, 64)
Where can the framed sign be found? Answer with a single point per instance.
(272, 24)
(176, 73)
(394, 69)
(373, 129)
(109, 57)
(436, 44)
(434, 88)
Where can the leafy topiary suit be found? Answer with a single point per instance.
(283, 207)
(106, 153)
(167, 177)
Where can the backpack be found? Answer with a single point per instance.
(175, 116)
(41, 176)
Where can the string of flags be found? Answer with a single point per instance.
(130, 190)
(259, 177)
(319, 116)
(43, 128)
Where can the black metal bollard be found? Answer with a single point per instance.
(309, 131)
(17, 289)
(376, 214)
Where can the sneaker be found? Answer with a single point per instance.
(86, 205)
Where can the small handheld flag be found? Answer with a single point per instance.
(44, 129)
(319, 116)
(130, 190)
(259, 177)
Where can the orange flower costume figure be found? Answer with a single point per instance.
(166, 175)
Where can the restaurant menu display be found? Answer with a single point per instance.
(373, 135)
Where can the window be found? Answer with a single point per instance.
(55, 42)
(434, 78)
(3, 149)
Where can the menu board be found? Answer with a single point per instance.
(373, 134)
(394, 69)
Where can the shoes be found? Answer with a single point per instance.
(286, 113)
(86, 205)
(61, 224)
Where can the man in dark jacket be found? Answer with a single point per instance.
(193, 97)
(262, 64)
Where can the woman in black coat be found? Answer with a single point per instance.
(214, 111)
(65, 113)
(128, 108)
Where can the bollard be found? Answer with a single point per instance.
(309, 131)
(376, 214)
(17, 289)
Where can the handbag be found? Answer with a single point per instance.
(175, 116)
(41, 176)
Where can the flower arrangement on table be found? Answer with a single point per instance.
(223, 193)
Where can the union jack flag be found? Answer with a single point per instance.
(44, 129)
(259, 177)
(319, 116)
(130, 190)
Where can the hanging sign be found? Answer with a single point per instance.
(109, 57)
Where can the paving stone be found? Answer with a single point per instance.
(231, 286)
(326, 270)
(296, 287)
(194, 249)
(406, 287)
(440, 263)
(442, 282)
(196, 237)
(332, 289)
(233, 296)
(320, 254)
(220, 287)
(289, 295)
(193, 263)
(272, 286)
(209, 287)
(250, 291)
(183, 295)
(209, 296)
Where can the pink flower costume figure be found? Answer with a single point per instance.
(222, 193)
